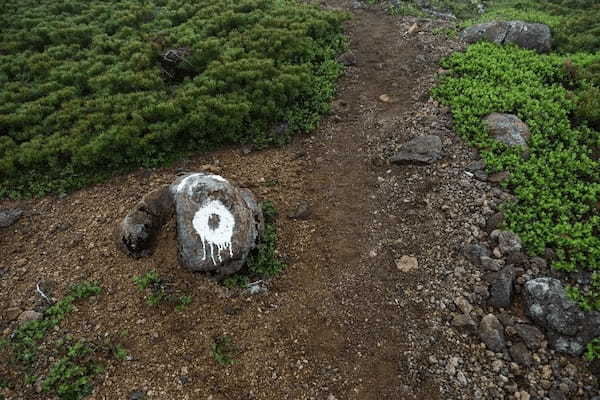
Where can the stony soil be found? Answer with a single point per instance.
(350, 318)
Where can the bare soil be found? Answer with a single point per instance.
(341, 322)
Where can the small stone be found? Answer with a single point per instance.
(492, 333)
(521, 355)
(517, 258)
(498, 177)
(29, 315)
(407, 263)
(9, 217)
(301, 211)
(348, 59)
(531, 335)
(508, 129)
(420, 150)
(509, 242)
(137, 395)
(11, 313)
(491, 264)
(474, 252)
(463, 321)
(464, 305)
(496, 221)
(501, 288)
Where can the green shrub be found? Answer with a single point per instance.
(558, 185)
(90, 88)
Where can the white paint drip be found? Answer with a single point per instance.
(219, 236)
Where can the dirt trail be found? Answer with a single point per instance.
(340, 323)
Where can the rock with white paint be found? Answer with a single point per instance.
(217, 223)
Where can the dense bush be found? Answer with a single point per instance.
(557, 185)
(92, 87)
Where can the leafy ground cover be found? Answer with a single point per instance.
(92, 88)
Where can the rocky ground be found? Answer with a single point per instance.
(386, 294)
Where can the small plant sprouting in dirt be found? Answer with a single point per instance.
(25, 339)
(223, 350)
(120, 352)
(152, 282)
(160, 291)
(184, 301)
(263, 261)
(70, 378)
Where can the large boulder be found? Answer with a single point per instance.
(524, 34)
(508, 129)
(217, 223)
(568, 326)
(420, 150)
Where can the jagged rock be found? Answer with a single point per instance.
(524, 34)
(531, 335)
(491, 333)
(509, 242)
(473, 252)
(521, 355)
(9, 217)
(135, 235)
(420, 150)
(217, 224)
(568, 326)
(508, 129)
(501, 287)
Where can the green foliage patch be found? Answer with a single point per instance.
(557, 185)
(263, 262)
(89, 88)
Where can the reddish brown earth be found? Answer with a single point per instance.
(329, 327)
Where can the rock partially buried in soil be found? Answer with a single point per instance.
(508, 129)
(217, 224)
(491, 332)
(420, 150)
(9, 217)
(28, 316)
(136, 234)
(501, 287)
(524, 34)
(568, 326)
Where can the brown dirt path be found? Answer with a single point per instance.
(329, 327)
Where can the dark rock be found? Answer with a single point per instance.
(491, 264)
(217, 224)
(517, 258)
(420, 150)
(491, 333)
(508, 129)
(9, 217)
(501, 288)
(569, 328)
(135, 235)
(531, 335)
(301, 211)
(549, 254)
(137, 395)
(508, 242)
(521, 355)
(476, 166)
(524, 34)
(495, 221)
(463, 321)
(348, 59)
(474, 252)
(539, 263)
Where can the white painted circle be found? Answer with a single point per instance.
(216, 238)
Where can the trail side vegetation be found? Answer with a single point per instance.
(92, 88)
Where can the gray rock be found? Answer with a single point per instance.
(517, 258)
(509, 242)
(136, 234)
(491, 264)
(474, 252)
(301, 211)
(9, 217)
(531, 335)
(491, 333)
(28, 316)
(526, 35)
(508, 129)
(420, 150)
(463, 321)
(217, 224)
(539, 263)
(501, 287)
(568, 326)
(521, 355)
(494, 222)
